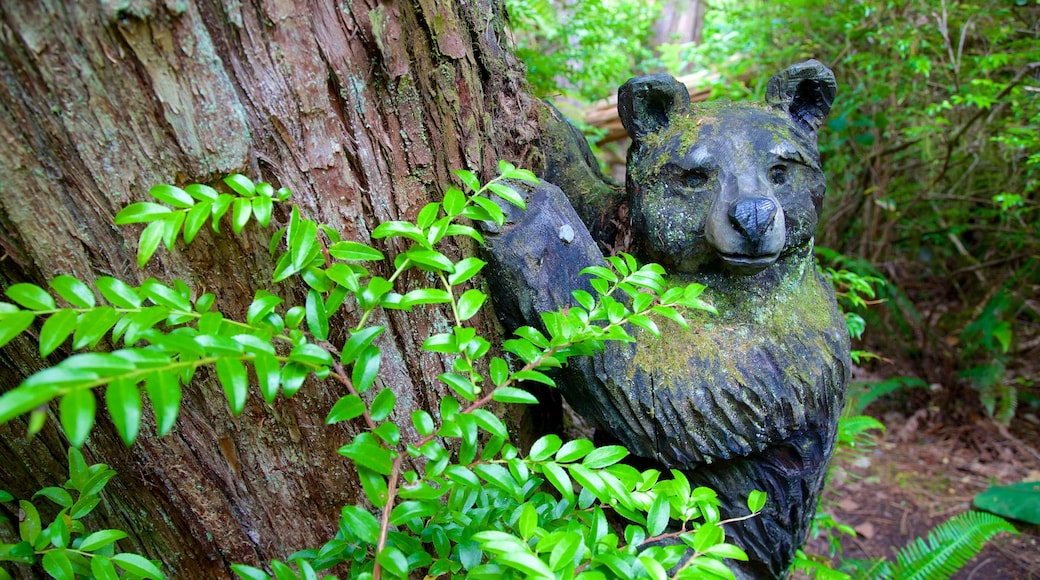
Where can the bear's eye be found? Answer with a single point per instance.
(778, 174)
(697, 179)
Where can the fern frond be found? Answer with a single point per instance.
(950, 545)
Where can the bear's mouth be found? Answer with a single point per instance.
(746, 265)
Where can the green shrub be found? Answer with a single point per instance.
(477, 507)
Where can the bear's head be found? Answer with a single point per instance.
(726, 187)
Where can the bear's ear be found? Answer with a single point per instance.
(646, 104)
(805, 92)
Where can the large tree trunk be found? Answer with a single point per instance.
(361, 108)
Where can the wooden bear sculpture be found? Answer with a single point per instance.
(728, 195)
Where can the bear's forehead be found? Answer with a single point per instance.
(714, 132)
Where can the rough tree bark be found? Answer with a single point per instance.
(361, 108)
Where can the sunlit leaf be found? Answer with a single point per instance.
(138, 565)
(124, 407)
(31, 296)
(354, 251)
(514, 395)
(346, 408)
(77, 409)
(13, 323)
(140, 212)
(73, 291)
(383, 405)
(151, 237)
(241, 185)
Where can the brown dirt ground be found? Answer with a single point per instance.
(918, 476)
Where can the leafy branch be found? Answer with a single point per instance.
(540, 516)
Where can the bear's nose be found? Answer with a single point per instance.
(753, 217)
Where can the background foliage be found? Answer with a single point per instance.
(933, 156)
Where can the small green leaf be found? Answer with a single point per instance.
(57, 564)
(31, 296)
(354, 251)
(499, 369)
(151, 236)
(268, 375)
(293, 375)
(564, 553)
(195, 219)
(13, 323)
(249, 572)
(534, 376)
(124, 407)
(172, 227)
(263, 304)
(164, 392)
(455, 201)
(427, 215)
(55, 330)
(485, 210)
(73, 291)
(138, 565)
(119, 293)
(423, 422)
(526, 562)
(464, 230)
(574, 450)
(430, 260)
(29, 525)
(174, 196)
(358, 342)
(144, 211)
(657, 515)
(394, 561)
(232, 375)
(102, 568)
(241, 209)
(604, 456)
(427, 296)
(514, 395)
(383, 405)
(92, 326)
(490, 422)
(262, 208)
(507, 193)
(465, 270)
(360, 524)
(77, 409)
(468, 179)
(163, 295)
(756, 500)
(201, 192)
(310, 354)
(100, 539)
(317, 318)
(346, 408)
(366, 451)
(241, 185)
(366, 368)
(55, 494)
(470, 302)
(460, 384)
(527, 522)
(402, 229)
(707, 535)
(220, 207)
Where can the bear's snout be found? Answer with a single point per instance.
(753, 218)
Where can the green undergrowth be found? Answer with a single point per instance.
(458, 499)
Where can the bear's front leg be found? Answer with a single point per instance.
(536, 257)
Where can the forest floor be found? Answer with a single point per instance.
(918, 476)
